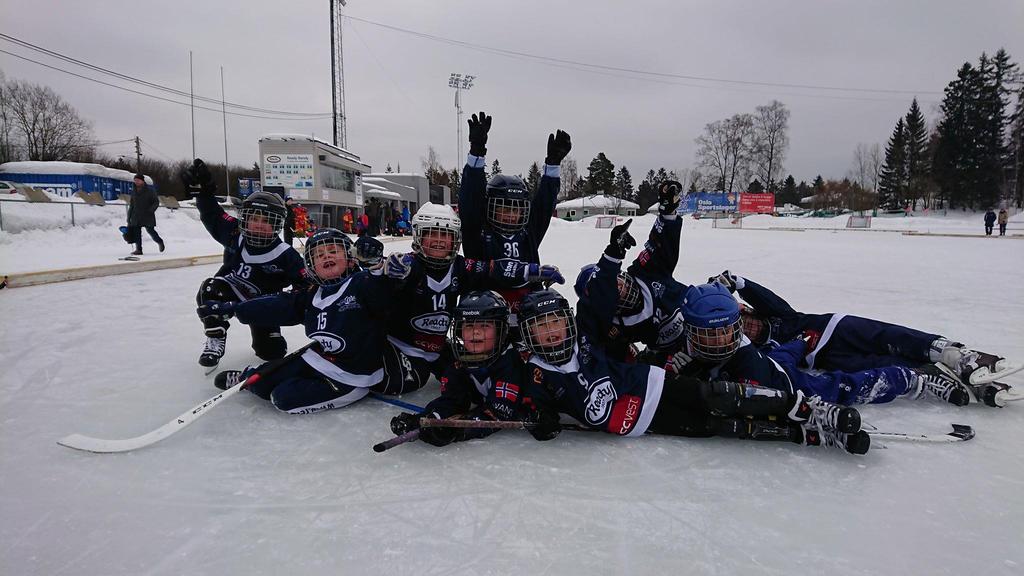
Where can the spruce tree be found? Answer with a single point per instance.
(624, 185)
(893, 182)
(495, 168)
(600, 175)
(916, 153)
(788, 194)
(533, 178)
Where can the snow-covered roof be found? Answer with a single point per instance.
(597, 201)
(289, 137)
(69, 168)
(378, 192)
(385, 181)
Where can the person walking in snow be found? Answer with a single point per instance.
(990, 219)
(142, 207)
(1002, 219)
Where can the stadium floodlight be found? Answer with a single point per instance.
(460, 82)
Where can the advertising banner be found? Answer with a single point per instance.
(710, 202)
(757, 203)
(288, 170)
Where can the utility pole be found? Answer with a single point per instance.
(138, 155)
(224, 114)
(192, 97)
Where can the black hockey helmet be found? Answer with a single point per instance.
(548, 326)
(262, 207)
(630, 300)
(479, 307)
(327, 250)
(508, 203)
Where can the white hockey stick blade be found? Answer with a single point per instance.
(960, 433)
(101, 446)
(990, 377)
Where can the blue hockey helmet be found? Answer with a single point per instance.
(712, 318)
(508, 203)
(629, 301)
(330, 256)
(548, 326)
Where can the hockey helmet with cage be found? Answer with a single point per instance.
(548, 326)
(330, 256)
(508, 203)
(474, 308)
(630, 300)
(431, 224)
(263, 215)
(712, 319)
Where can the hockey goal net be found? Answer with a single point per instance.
(606, 221)
(729, 221)
(858, 222)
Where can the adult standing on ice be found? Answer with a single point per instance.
(1003, 218)
(142, 207)
(990, 220)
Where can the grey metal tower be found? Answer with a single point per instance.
(338, 75)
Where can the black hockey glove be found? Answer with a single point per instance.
(728, 279)
(438, 436)
(545, 425)
(197, 179)
(559, 146)
(369, 252)
(214, 310)
(479, 125)
(669, 194)
(621, 241)
(405, 422)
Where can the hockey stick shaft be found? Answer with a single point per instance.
(400, 439)
(101, 446)
(396, 402)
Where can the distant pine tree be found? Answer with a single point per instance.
(893, 182)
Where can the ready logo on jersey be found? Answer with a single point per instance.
(670, 330)
(330, 343)
(432, 323)
(599, 401)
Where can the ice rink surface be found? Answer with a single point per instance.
(247, 490)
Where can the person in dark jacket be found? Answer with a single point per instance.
(990, 220)
(142, 207)
(289, 220)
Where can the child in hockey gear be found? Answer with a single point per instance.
(574, 375)
(423, 307)
(852, 343)
(486, 380)
(717, 348)
(648, 308)
(499, 218)
(256, 263)
(345, 314)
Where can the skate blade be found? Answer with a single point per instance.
(990, 377)
(1008, 395)
(209, 369)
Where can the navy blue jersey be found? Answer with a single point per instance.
(600, 392)
(480, 242)
(498, 389)
(423, 307)
(783, 321)
(346, 321)
(748, 365)
(251, 272)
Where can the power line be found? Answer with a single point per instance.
(587, 66)
(146, 83)
(325, 116)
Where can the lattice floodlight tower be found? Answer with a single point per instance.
(338, 75)
(460, 82)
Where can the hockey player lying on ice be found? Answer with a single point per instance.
(851, 343)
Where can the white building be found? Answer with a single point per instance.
(579, 208)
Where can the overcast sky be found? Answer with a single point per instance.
(276, 55)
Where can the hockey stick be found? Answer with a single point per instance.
(960, 433)
(395, 402)
(101, 446)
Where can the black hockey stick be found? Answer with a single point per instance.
(101, 446)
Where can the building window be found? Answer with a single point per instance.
(572, 213)
(337, 178)
(586, 212)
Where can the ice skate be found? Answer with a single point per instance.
(856, 443)
(816, 414)
(213, 351)
(974, 368)
(937, 380)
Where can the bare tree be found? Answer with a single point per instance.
(432, 168)
(8, 145)
(771, 141)
(875, 161)
(50, 127)
(725, 150)
(570, 179)
(861, 172)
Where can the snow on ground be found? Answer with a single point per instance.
(249, 490)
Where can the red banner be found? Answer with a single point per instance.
(757, 203)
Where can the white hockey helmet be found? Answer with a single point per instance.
(436, 234)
